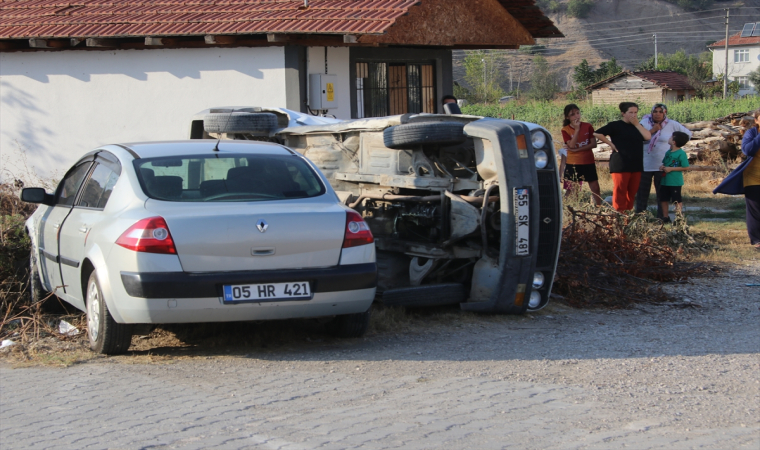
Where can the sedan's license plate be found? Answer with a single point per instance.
(522, 221)
(267, 292)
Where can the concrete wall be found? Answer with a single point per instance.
(55, 106)
(737, 69)
(337, 64)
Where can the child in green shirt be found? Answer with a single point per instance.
(673, 164)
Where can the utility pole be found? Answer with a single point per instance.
(655, 50)
(725, 71)
(484, 80)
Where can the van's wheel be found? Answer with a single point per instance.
(106, 336)
(424, 133)
(239, 122)
(349, 325)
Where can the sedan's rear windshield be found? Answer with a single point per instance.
(228, 178)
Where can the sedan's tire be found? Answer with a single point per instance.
(426, 295)
(239, 122)
(424, 133)
(349, 325)
(106, 336)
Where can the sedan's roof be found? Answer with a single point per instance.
(204, 147)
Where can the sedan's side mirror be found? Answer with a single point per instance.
(36, 195)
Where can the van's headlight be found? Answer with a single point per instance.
(538, 139)
(541, 159)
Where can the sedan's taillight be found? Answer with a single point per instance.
(149, 235)
(357, 231)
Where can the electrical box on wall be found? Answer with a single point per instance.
(322, 94)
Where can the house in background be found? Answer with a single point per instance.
(75, 75)
(743, 57)
(647, 87)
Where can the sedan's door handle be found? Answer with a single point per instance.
(83, 229)
(56, 225)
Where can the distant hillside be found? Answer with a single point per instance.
(623, 30)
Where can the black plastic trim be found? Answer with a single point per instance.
(200, 285)
(49, 255)
(69, 262)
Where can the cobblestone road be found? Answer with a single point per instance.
(657, 377)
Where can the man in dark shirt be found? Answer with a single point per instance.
(627, 158)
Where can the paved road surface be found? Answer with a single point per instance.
(650, 378)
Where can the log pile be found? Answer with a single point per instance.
(710, 138)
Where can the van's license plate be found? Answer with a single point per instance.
(522, 221)
(267, 292)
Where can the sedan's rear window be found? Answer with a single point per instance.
(228, 178)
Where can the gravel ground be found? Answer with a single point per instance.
(682, 375)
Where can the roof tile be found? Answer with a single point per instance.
(21, 19)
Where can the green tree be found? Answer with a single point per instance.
(698, 69)
(548, 6)
(579, 8)
(754, 78)
(608, 69)
(584, 75)
(484, 76)
(544, 84)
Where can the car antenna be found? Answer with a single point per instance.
(219, 137)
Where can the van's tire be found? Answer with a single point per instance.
(349, 325)
(426, 295)
(239, 122)
(424, 133)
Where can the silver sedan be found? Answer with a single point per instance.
(199, 231)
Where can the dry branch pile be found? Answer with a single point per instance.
(614, 260)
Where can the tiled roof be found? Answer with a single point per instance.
(736, 39)
(667, 80)
(124, 18)
(664, 79)
(24, 19)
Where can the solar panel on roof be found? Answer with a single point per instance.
(747, 30)
(757, 30)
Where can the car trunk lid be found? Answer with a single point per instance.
(240, 236)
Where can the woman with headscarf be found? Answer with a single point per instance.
(661, 128)
(745, 179)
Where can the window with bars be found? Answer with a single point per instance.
(387, 89)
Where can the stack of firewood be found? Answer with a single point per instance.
(723, 135)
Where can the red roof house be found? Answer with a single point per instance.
(652, 86)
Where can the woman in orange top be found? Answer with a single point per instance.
(580, 141)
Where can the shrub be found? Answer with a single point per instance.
(579, 8)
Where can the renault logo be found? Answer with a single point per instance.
(547, 220)
(262, 225)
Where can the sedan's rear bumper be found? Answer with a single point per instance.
(203, 285)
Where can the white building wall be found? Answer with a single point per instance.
(737, 69)
(337, 64)
(56, 106)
